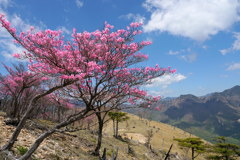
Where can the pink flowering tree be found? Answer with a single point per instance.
(60, 104)
(95, 67)
(88, 122)
(50, 57)
(115, 81)
(16, 85)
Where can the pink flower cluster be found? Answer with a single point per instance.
(89, 57)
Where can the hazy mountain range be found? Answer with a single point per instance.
(207, 116)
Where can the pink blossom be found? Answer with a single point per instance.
(16, 55)
(173, 71)
(102, 56)
(136, 24)
(45, 78)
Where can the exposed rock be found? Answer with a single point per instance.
(137, 137)
(6, 155)
(12, 122)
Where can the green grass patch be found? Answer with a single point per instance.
(22, 150)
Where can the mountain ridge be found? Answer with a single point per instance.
(215, 114)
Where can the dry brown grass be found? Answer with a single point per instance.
(163, 134)
(62, 147)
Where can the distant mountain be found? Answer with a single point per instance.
(208, 116)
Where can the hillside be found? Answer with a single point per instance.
(78, 145)
(208, 116)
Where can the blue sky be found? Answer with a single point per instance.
(199, 38)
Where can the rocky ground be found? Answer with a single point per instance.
(53, 147)
(79, 145)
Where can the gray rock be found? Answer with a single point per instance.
(7, 155)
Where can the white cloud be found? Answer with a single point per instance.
(134, 17)
(7, 46)
(159, 86)
(64, 30)
(204, 47)
(195, 19)
(189, 57)
(235, 46)
(236, 43)
(174, 52)
(79, 3)
(224, 76)
(234, 66)
(4, 33)
(5, 3)
(185, 54)
(166, 80)
(163, 93)
(225, 51)
(16, 21)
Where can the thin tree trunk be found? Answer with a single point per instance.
(226, 157)
(100, 128)
(117, 128)
(16, 105)
(58, 114)
(114, 156)
(104, 154)
(30, 107)
(14, 112)
(114, 132)
(17, 131)
(193, 154)
(168, 153)
(11, 111)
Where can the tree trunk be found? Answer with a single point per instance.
(114, 156)
(117, 128)
(114, 132)
(14, 112)
(16, 106)
(17, 131)
(46, 134)
(104, 154)
(36, 144)
(193, 154)
(168, 153)
(58, 113)
(30, 107)
(100, 128)
(226, 157)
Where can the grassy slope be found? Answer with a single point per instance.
(194, 127)
(209, 136)
(63, 147)
(163, 133)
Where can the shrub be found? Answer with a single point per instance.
(22, 150)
